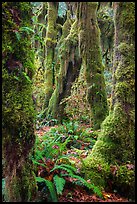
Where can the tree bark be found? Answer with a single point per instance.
(50, 42)
(67, 68)
(90, 50)
(17, 105)
(113, 155)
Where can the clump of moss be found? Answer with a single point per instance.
(124, 180)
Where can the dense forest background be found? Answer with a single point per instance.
(68, 101)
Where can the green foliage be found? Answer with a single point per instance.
(26, 29)
(52, 146)
(59, 183)
(82, 182)
(18, 33)
(50, 186)
(72, 172)
(71, 127)
(66, 167)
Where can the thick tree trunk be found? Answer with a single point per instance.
(17, 105)
(89, 44)
(50, 42)
(112, 157)
(68, 63)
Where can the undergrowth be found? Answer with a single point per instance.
(53, 166)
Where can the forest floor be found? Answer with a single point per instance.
(73, 192)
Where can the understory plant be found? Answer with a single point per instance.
(52, 162)
(66, 172)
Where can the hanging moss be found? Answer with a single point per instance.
(69, 66)
(17, 105)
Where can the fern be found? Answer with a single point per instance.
(26, 29)
(81, 181)
(51, 188)
(88, 185)
(18, 36)
(59, 183)
(38, 163)
(65, 167)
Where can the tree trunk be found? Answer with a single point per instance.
(90, 50)
(50, 42)
(112, 158)
(67, 68)
(17, 105)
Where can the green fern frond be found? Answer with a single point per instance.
(38, 163)
(51, 188)
(62, 168)
(18, 36)
(26, 29)
(88, 185)
(63, 158)
(66, 167)
(59, 183)
(70, 167)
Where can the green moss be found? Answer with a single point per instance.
(51, 29)
(65, 55)
(17, 105)
(67, 26)
(90, 51)
(115, 146)
(128, 16)
(124, 180)
(50, 42)
(96, 169)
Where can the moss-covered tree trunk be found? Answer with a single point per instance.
(50, 42)
(90, 50)
(112, 157)
(17, 106)
(40, 23)
(67, 67)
